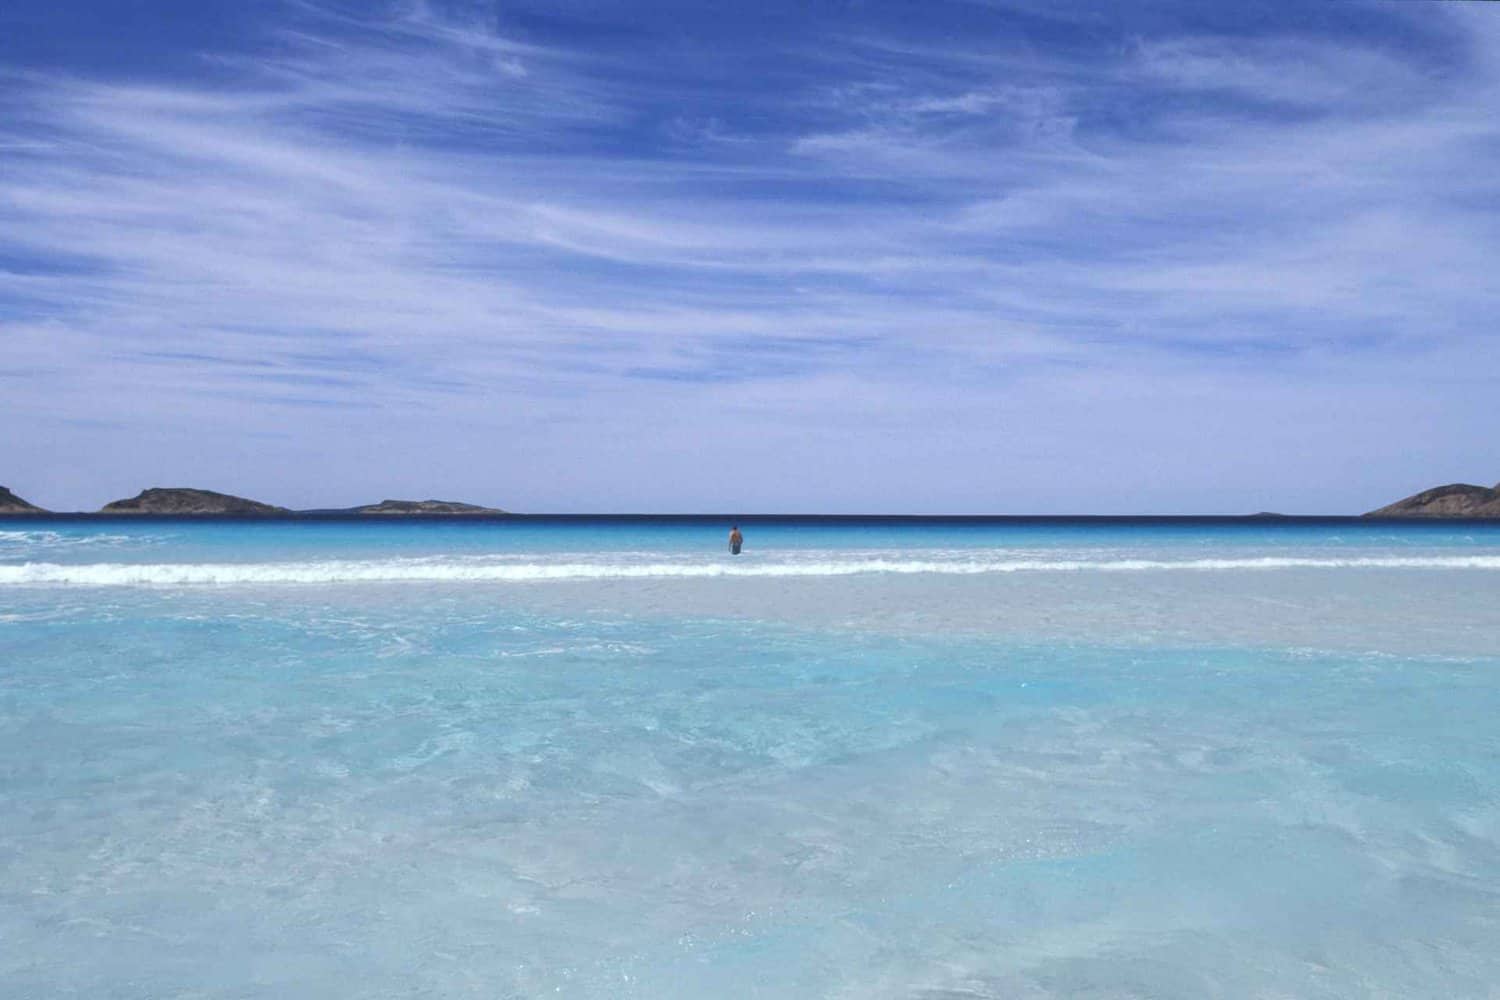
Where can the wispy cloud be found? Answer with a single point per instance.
(982, 267)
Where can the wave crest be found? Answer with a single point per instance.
(437, 571)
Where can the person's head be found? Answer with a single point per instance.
(734, 527)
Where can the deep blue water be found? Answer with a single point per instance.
(864, 759)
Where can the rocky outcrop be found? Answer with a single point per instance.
(1453, 500)
(406, 508)
(178, 501)
(12, 504)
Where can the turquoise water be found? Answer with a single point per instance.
(514, 759)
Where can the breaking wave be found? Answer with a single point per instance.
(23, 542)
(460, 571)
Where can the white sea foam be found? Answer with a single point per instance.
(438, 571)
(27, 542)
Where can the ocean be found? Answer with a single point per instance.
(864, 759)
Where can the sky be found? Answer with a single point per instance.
(595, 255)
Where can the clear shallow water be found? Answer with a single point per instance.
(849, 764)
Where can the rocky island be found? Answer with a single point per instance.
(403, 508)
(181, 501)
(1453, 500)
(12, 504)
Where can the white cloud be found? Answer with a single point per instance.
(1303, 73)
(405, 239)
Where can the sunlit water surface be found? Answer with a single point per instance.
(522, 758)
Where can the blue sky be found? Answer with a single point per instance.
(595, 255)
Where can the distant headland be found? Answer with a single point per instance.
(12, 504)
(1453, 500)
(186, 502)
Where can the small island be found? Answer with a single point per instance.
(1453, 500)
(178, 501)
(182, 501)
(408, 508)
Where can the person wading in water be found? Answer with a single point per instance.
(735, 540)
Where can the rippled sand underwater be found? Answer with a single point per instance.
(1158, 761)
